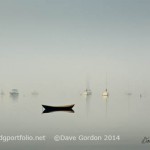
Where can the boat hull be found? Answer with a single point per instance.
(87, 93)
(105, 94)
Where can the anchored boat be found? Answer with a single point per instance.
(58, 108)
(87, 92)
(14, 92)
(105, 93)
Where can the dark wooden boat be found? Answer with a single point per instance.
(58, 108)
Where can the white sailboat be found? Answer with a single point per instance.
(14, 92)
(105, 93)
(87, 92)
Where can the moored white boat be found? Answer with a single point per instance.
(14, 92)
(105, 93)
(87, 92)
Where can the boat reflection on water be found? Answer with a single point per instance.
(14, 97)
(50, 109)
(34, 93)
(105, 98)
(2, 93)
(88, 100)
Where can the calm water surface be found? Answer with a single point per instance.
(118, 115)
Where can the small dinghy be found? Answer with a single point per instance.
(58, 108)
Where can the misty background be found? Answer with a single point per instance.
(51, 45)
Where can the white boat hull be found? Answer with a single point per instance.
(105, 93)
(87, 93)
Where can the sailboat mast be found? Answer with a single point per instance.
(106, 84)
(87, 83)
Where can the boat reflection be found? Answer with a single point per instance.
(88, 100)
(105, 98)
(52, 111)
(14, 97)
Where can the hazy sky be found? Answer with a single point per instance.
(64, 41)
